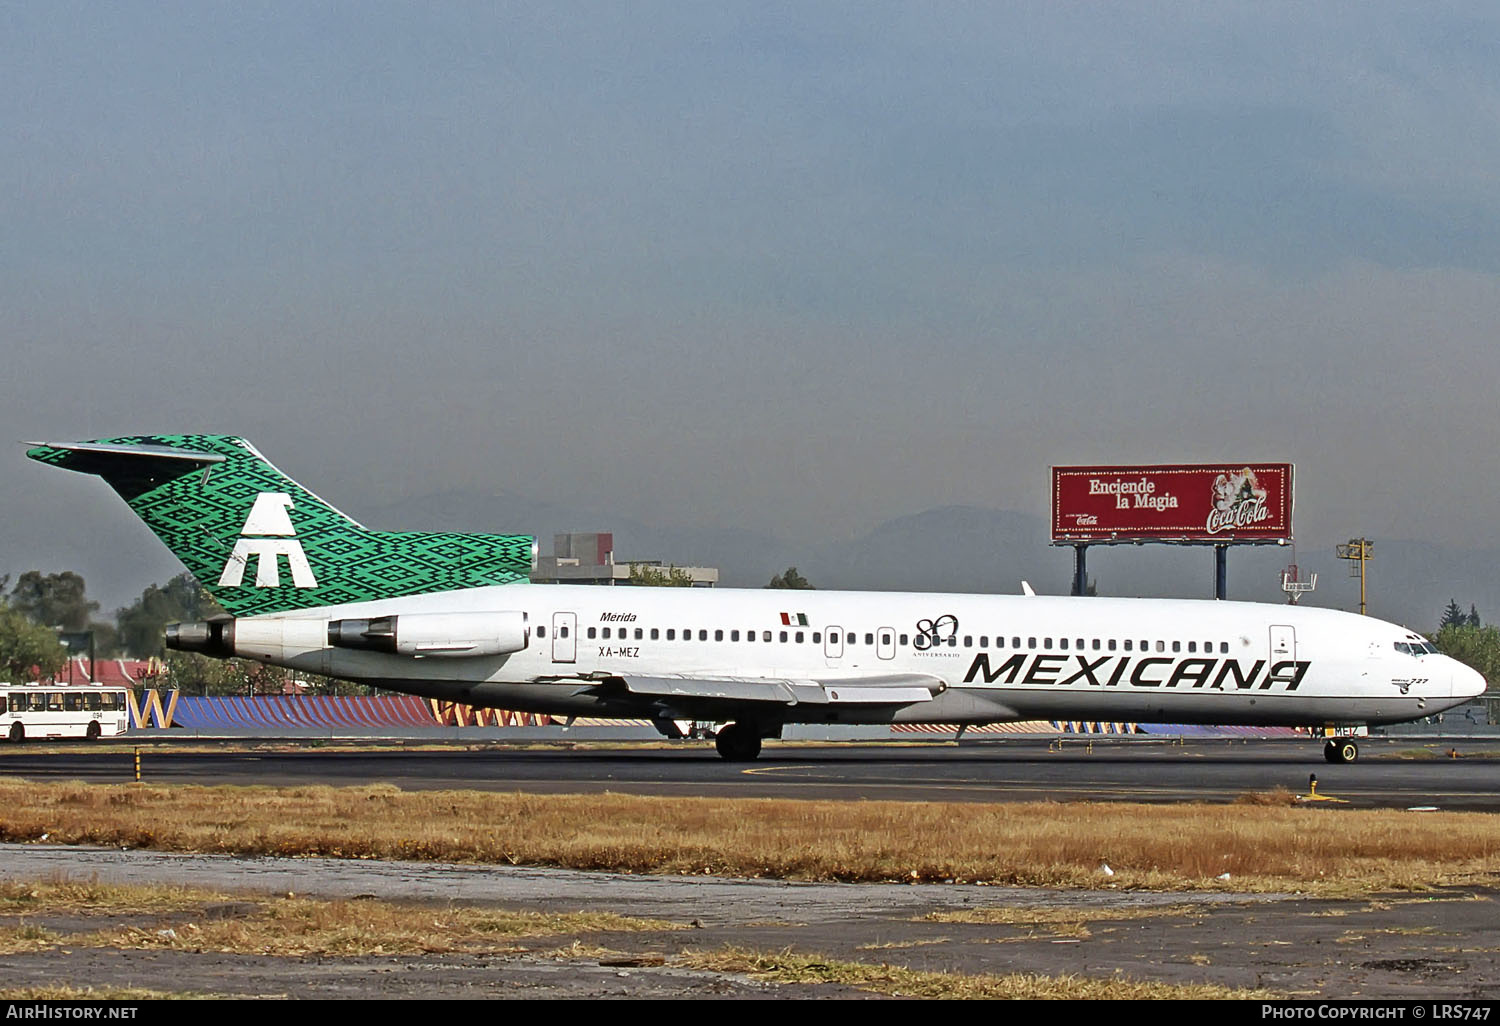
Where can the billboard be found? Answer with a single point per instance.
(1205, 503)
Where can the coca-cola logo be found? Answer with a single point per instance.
(1239, 501)
(1245, 514)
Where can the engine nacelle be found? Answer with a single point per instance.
(447, 635)
(211, 637)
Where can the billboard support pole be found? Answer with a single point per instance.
(1080, 569)
(1221, 572)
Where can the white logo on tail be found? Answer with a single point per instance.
(268, 517)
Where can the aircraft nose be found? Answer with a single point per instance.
(1467, 682)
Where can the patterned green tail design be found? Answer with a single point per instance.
(297, 552)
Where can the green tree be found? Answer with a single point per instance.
(141, 623)
(1473, 615)
(1477, 647)
(54, 600)
(649, 576)
(791, 579)
(1453, 616)
(27, 648)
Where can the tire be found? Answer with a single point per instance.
(738, 742)
(17, 733)
(1340, 751)
(92, 730)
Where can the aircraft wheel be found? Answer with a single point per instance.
(92, 730)
(17, 733)
(738, 742)
(1340, 751)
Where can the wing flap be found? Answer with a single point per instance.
(903, 689)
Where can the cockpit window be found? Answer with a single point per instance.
(1416, 648)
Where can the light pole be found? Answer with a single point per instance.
(1357, 549)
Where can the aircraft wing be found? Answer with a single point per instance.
(894, 689)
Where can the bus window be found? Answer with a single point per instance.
(54, 702)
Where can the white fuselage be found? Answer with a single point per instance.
(990, 658)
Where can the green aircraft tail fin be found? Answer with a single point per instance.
(261, 543)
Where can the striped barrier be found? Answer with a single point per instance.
(1019, 727)
(284, 712)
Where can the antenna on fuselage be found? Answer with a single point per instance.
(1026, 589)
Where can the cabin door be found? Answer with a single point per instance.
(1283, 644)
(564, 637)
(833, 645)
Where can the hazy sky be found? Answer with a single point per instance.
(793, 267)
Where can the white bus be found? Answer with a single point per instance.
(62, 710)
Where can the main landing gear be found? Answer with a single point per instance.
(738, 742)
(1340, 749)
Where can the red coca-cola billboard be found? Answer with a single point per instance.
(1198, 502)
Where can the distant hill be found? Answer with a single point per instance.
(972, 549)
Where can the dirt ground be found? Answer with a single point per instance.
(1443, 944)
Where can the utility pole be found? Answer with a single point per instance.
(1357, 549)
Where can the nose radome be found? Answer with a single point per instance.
(1467, 682)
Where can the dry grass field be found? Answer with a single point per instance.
(1264, 843)
(193, 921)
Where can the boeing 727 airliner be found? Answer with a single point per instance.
(453, 616)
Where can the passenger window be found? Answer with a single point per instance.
(817, 637)
(541, 632)
(968, 641)
(1015, 642)
(563, 632)
(783, 637)
(734, 635)
(671, 634)
(1061, 643)
(638, 634)
(766, 636)
(1192, 646)
(1176, 646)
(869, 639)
(591, 633)
(1129, 645)
(1223, 648)
(719, 636)
(1096, 644)
(1031, 643)
(984, 641)
(851, 638)
(1047, 643)
(1112, 644)
(1161, 646)
(799, 637)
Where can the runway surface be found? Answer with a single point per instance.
(1391, 773)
